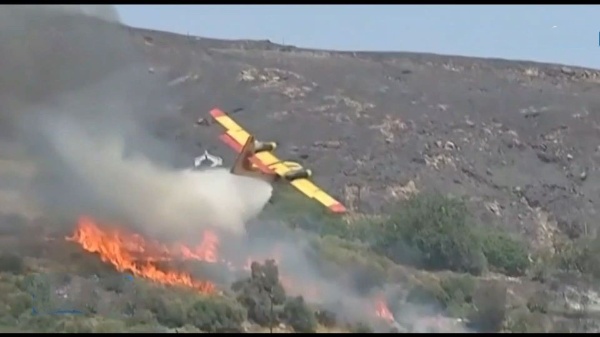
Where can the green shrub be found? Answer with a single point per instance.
(459, 293)
(539, 302)
(172, 314)
(73, 324)
(299, 316)
(433, 232)
(256, 292)
(524, 321)
(114, 282)
(109, 325)
(11, 263)
(460, 287)
(428, 293)
(490, 307)
(326, 318)
(18, 303)
(367, 269)
(454, 294)
(141, 316)
(581, 255)
(216, 314)
(505, 254)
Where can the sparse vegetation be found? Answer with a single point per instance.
(582, 255)
(432, 232)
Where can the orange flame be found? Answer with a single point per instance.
(131, 252)
(382, 311)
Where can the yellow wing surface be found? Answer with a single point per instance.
(235, 136)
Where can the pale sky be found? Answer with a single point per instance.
(557, 34)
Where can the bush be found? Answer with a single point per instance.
(256, 292)
(459, 293)
(454, 294)
(74, 324)
(365, 269)
(505, 254)
(18, 303)
(11, 263)
(582, 255)
(216, 314)
(169, 311)
(539, 302)
(433, 232)
(326, 318)
(109, 325)
(523, 321)
(115, 282)
(428, 293)
(297, 314)
(490, 307)
(148, 304)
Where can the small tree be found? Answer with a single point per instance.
(299, 316)
(433, 232)
(216, 314)
(506, 254)
(261, 292)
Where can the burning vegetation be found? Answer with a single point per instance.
(432, 249)
(263, 293)
(353, 286)
(129, 252)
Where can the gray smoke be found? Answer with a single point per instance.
(76, 102)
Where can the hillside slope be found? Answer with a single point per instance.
(519, 139)
(516, 140)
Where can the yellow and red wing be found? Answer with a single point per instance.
(235, 136)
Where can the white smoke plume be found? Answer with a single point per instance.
(76, 96)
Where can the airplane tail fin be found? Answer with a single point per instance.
(243, 163)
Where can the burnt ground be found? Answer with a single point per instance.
(519, 139)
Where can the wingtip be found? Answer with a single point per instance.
(216, 112)
(337, 208)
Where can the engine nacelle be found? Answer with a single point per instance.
(298, 174)
(264, 146)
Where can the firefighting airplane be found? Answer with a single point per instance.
(256, 159)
